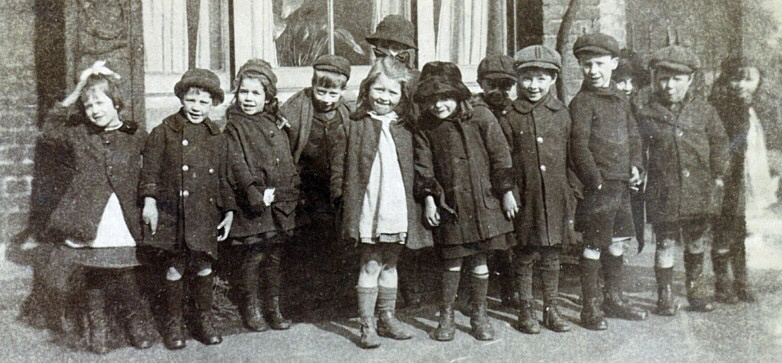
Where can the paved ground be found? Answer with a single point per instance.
(751, 333)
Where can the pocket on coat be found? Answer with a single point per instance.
(489, 200)
(285, 207)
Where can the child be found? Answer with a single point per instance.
(185, 197)
(538, 129)
(463, 166)
(606, 153)
(314, 113)
(687, 158)
(497, 77)
(372, 174)
(747, 100)
(97, 218)
(263, 175)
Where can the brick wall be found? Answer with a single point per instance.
(18, 113)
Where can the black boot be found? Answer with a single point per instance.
(276, 320)
(527, 323)
(175, 335)
(367, 297)
(204, 294)
(723, 289)
(508, 293)
(592, 316)
(251, 309)
(410, 278)
(614, 304)
(479, 321)
(739, 263)
(550, 275)
(388, 325)
(666, 302)
(446, 329)
(136, 309)
(96, 316)
(693, 265)
(273, 277)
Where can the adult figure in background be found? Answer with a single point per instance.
(744, 98)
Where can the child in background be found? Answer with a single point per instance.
(263, 175)
(538, 129)
(372, 174)
(187, 202)
(463, 170)
(97, 218)
(606, 151)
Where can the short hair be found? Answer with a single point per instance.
(108, 85)
(327, 79)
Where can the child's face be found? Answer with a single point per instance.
(672, 86)
(100, 109)
(534, 84)
(326, 98)
(625, 85)
(251, 96)
(197, 104)
(442, 107)
(597, 69)
(384, 94)
(745, 83)
(495, 92)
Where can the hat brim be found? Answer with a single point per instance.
(543, 65)
(218, 96)
(406, 41)
(498, 76)
(673, 66)
(596, 50)
(435, 86)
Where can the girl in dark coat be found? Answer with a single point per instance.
(98, 217)
(372, 173)
(263, 175)
(185, 198)
(463, 169)
(747, 101)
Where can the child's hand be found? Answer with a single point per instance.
(430, 212)
(635, 178)
(149, 213)
(268, 196)
(509, 205)
(225, 225)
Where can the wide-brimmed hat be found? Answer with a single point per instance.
(496, 67)
(203, 79)
(441, 78)
(676, 58)
(394, 28)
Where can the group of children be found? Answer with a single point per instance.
(419, 162)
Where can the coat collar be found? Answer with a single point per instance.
(524, 106)
(177, 122)
(610, 91)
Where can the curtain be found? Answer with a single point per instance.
(383, 8)
(254, 31)
(165, 36)
(462, 31)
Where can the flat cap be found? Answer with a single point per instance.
(538, 56)
(676, 58)
(597, 43)
(496, 67)
(332, 63)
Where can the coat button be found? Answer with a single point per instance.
(185, 142)
(686, 173)
(540, 140)
(211, 171)
(679, 133)
(504, 112)
(271, 133)
(184, 193)
(542, 168)
(185, 168)
(276, 161)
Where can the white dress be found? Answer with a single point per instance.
(760, 186)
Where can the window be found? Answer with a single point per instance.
(290, 34)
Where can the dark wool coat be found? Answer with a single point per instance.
(98, 163)
(298, 110)
(539, 136)
(259, 156)
(604, 141)
(465, 164)
(354, 151)
(735, 120)
(184, 170)
(687, 152)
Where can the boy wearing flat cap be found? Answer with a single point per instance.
(606, 150)
(496, 77)
(538, 130)
(687, 159)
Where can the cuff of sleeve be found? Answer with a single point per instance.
(427, 186)
(502, 180)
(149, 190)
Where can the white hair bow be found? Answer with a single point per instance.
(99, 67)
